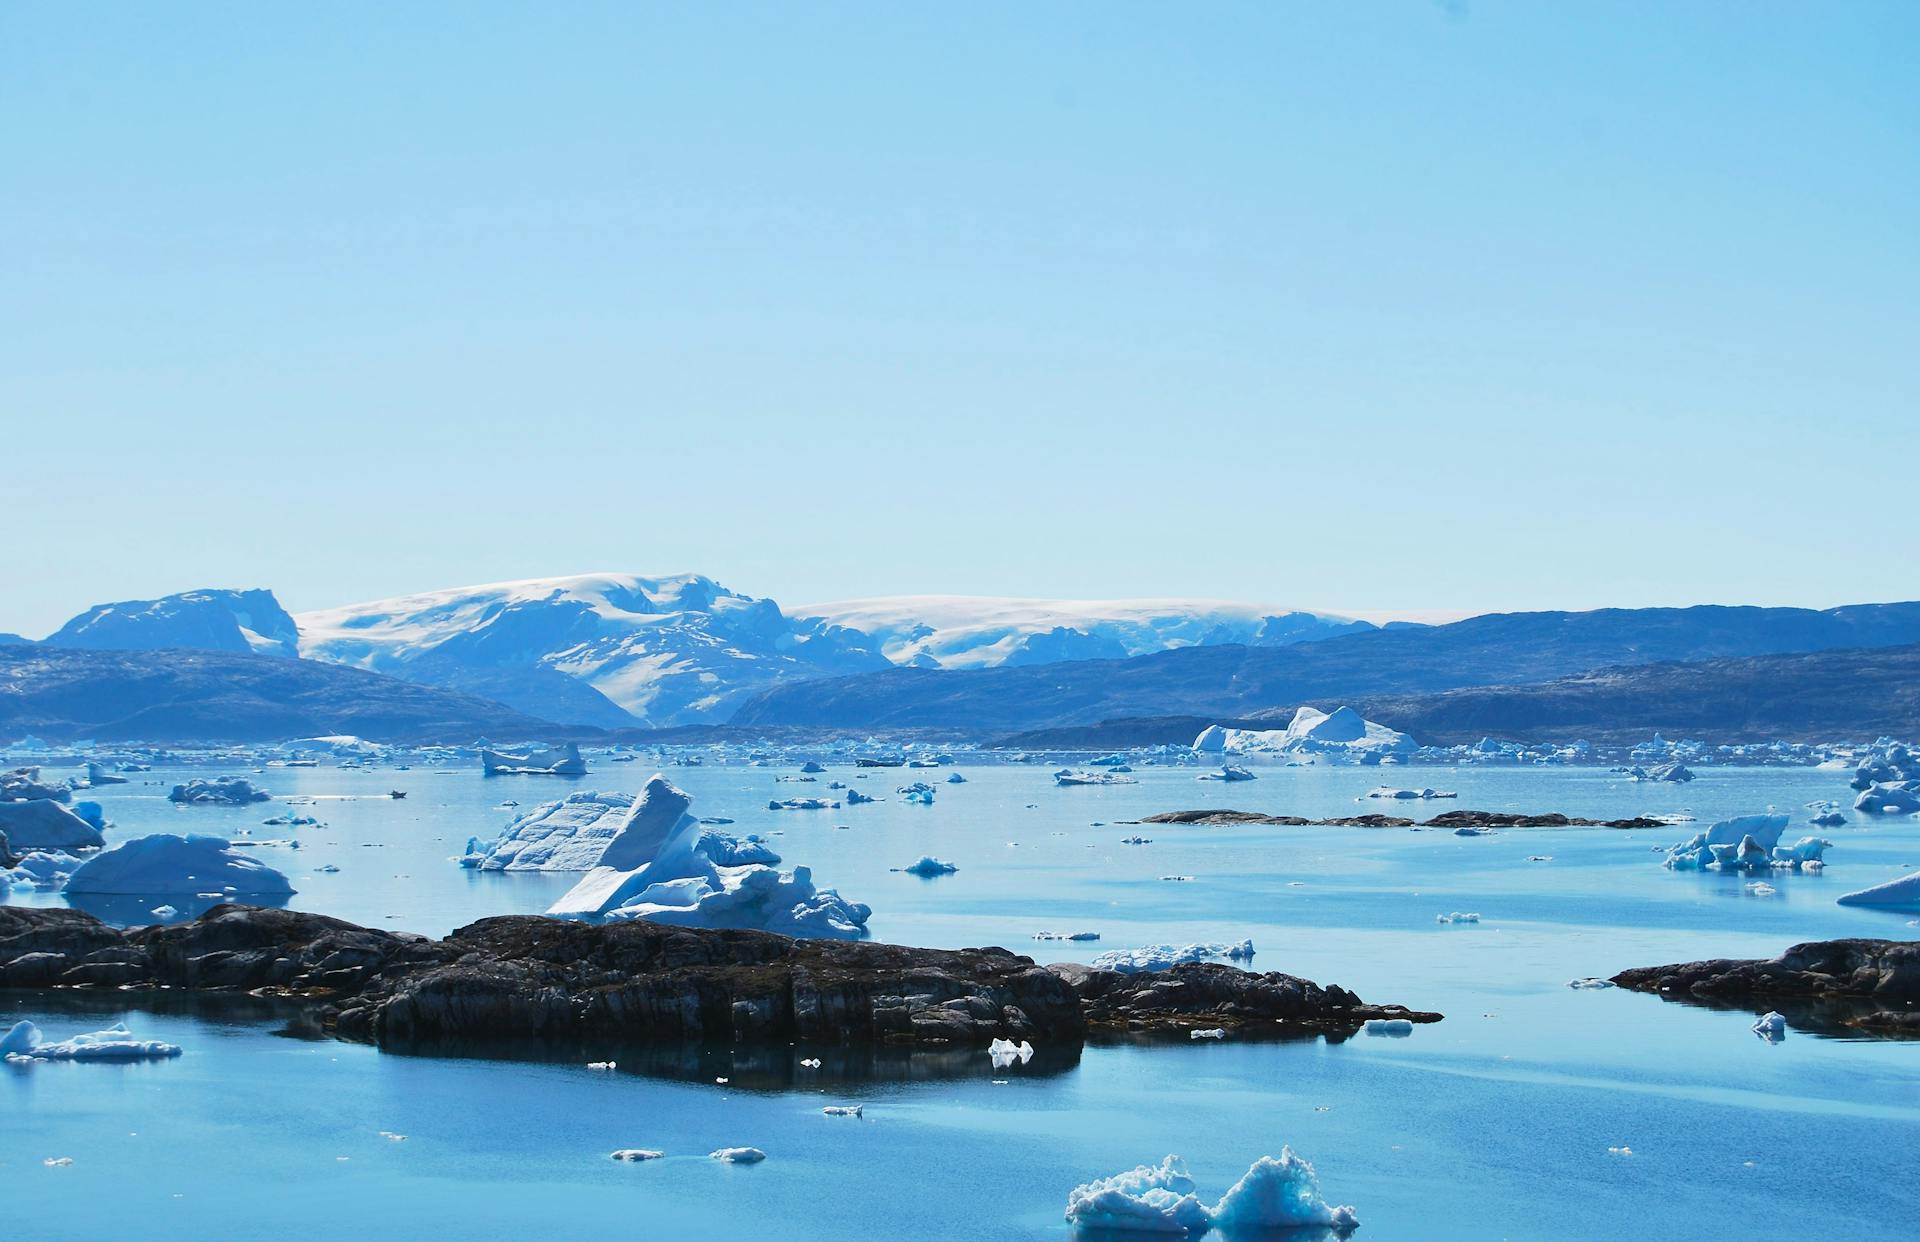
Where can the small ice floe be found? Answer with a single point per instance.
(1590, 984)
(1760, 888)
(1405, 795)
(1771, 1027)
(1457, 917)
(722, 1081)
(1004, 1053)
(1539, 858)
(602, 1065)
(1082, 935)
(640, 1153)
(23, 1044)
(844, 1110)
(57, 1162)
(954, 778)
(809, 1062)
(802, 804)
(1229, 772)
(1273, 1195)
(1619, 1151)
(738, 1155)
(1212, 1033)
(327, 869)
(928, 866)
(1394, 1028)
(391, 1137)
(1136, 840)
(1177, 879)
(1167, 956)
(163, 912)
(919, 793)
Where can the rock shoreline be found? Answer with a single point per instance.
(528, 979)
(1865, 985)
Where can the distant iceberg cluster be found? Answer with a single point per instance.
(1159, 1198)
(1167, 956)
(1888, 780)
(663, 865)
(1339, 736)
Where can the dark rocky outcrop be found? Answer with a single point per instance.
(1451, 819)
(526, 979)
(1869, 985)
(1197, 995)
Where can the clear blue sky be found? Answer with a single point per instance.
(1369, 306)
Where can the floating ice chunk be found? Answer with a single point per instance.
(954, 778)
(1457, 917)
(803, 804)
(856, 798)
(1148, 1199)
(919, 792)
(928, 866)
(1771, 1027)
(1070, 776)
(1228, 772)
(1900, 893)
(602, 1065)
(58, 1162)
(810, 1062)
(1211, 1033)
(738, 1155)
(1760, 888)
(845, 1110)
(115, 1043)
(1272, 1195)
(1279, 1194)
(1004, 1052)
(1397, 1028)
(44, 824)
(1902, 798)
(640, 1153)
(1066, 935)
(218, 791)
(1408, 794)
(1167, 956)
(1590, 983)
(1619, 1151)
(163, 912)
(165, 864)
(538, 761)
(1136, 840)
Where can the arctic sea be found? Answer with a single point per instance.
(1500, 1122)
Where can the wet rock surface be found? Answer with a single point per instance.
(525, 979)
(1867, 985)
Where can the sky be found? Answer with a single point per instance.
(1389, 308)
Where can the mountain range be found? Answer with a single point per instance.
(620, 652)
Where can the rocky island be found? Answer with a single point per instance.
(1865, 985)
(528, 979)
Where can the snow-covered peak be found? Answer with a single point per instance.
(606, 649)
(972, 631)
(210, 620)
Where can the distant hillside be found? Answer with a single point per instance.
(1805, 697)
(244, 621)
(208, 696)
(1238, 681)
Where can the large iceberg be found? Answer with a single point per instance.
(165, 864)
(664, 866)
(1167, 956)
(1892, 798)
(538, 761)
(1282, 1194)
(25, 785)
(43, 824)
(1899, 893)
(573, 834)
(1339, 736)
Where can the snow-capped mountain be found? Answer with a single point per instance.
(246, 621)
(606, 649)
(964, 631)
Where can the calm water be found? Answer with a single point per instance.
(1493, 1124)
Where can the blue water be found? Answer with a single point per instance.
(1493, 1124)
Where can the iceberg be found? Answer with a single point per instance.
(739, 1155)
(1282, 1194)
(1396, 1028)
(25, 785)
(803, 804)
(1899, 893)
(218, 791)
(1069, 776)
(99, 775)
(636, 1154)
(1004, 1053)
(538, 761)
(1901, 798)
(1339, 736)
(1384, 791)
(663, 865)
(1167, 956)
(568, 835)
(44, 824)
(24, 1044)
(164, 865)
(1228, 772)
(928, 866)
(1745, 842)
(919, 792)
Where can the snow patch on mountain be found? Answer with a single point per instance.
(967, 631)
(212, 620)
(661, 651)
